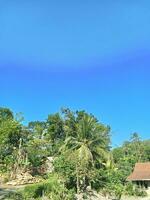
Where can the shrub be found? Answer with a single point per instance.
(13, 196)
(133, 190)
(52, 188)
(139, 192)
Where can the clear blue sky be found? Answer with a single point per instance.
(82, 54)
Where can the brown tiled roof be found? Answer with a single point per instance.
(141, 172)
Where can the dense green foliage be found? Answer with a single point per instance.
(82, 152)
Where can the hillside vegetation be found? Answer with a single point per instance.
(80, 147)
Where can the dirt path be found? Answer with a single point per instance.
(135, 198)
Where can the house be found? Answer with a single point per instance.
(141, 175)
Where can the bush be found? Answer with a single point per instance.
(13, 196)
(139, 192)
(51, 188)
(129, 189)
(133, 190)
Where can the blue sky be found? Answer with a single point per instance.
(92, 55)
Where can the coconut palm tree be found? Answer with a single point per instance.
(89, 146)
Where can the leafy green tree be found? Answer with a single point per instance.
(37, 151)
(12, 134)
(55, 132)
(129, 153)
(37, 129)
(5, 114)
(146, 145)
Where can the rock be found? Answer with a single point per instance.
(22, 179)
(49, 165)
(91, 195)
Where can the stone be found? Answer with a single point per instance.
(22, 179)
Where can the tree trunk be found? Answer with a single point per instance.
(77, 183)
